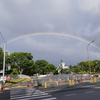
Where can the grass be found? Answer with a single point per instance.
(16, 81)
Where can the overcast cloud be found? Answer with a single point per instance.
(76, 17)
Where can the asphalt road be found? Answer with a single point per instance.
(83, 91)
(5, 95)
(78, 92)
(30, 94)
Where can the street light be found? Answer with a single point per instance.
(89, 57)
(4, 58)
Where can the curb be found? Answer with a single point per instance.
(19, 86)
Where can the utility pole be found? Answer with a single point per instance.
(4, 58)
(4, 62)
(89, 57)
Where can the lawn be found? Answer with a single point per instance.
(16, 81)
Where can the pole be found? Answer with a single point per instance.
(4, 62)
(89, 57)
(4, 57)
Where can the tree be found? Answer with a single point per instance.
(1, 58)
(14, 71)
(84, 66)
(75, 69)
(50, 68)
(29, 68)
(40, 66)
(20, 60)
(65, 71)
(96, 65)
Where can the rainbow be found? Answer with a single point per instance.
(54, 34)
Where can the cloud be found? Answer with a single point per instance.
(80, 18)
(49, 27)
(90, 6)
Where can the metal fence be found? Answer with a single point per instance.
(63, 77)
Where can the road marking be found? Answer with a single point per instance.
(28, 97)
(90, 85)
(25, 94)
(39, 99)
(70, 94)
(49, 98)
(89, 91)
(28, 94)
(97, 87)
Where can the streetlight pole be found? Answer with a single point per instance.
(4, 62)
(4, 58)
(89, 57)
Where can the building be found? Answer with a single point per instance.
(63, 65)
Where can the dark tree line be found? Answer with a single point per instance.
(23, 63)
(83, 67)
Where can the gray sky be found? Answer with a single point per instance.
(80, 18)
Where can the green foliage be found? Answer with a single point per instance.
(43, 67)
(40, 66)
(14, 71)
(94, 66)
(20, 60)
(75, 69)
(50, 68)
(1, 59)
(30, 68)
(65, 71)
(84, 66)
(41, 63)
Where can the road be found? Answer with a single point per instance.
(77, 92)
(86, 93)
(29, 94)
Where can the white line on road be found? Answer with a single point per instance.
(88, 86)
(28, 95)
(18, 98)
(39, 99)
(97, 87)
(89, 91)
(49, 98)
(70, 94)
